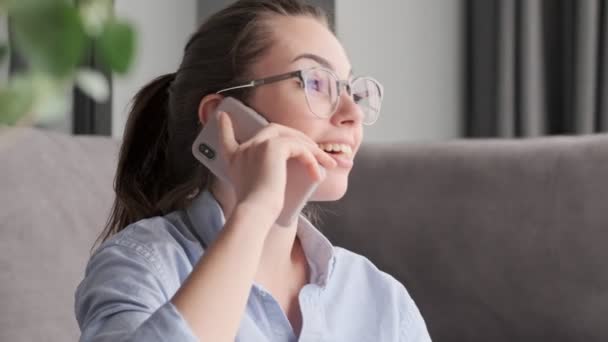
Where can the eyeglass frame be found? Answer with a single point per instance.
(299, 74)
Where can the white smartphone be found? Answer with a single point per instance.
(246, 123)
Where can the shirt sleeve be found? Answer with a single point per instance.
(412, 327)
(122, 298)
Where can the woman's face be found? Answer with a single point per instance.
(300, 43)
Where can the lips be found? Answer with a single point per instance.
(336, 148)
(342, 160)
(342, 153)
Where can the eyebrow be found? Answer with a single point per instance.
(320, 60)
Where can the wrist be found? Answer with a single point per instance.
(253, 212)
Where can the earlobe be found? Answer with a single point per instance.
(207, 106)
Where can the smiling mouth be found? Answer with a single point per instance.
(337, 149)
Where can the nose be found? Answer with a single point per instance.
(347, 112)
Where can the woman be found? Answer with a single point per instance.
(187, 257)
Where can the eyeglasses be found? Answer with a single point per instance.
(322, 89)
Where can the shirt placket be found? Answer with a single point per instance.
(279, 323)
(312, 313)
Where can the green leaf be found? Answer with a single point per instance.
(94, 84)
(16, 101)
(94, 14)
(50, 97)
(50, 35)
(117, 45)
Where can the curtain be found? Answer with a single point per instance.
(536, 67)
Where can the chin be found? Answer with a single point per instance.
(332, 188)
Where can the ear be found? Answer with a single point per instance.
(207, 106)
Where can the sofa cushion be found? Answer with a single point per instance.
(56, 196)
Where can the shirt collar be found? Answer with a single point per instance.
(207, 218)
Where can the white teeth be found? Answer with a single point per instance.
(346, 149)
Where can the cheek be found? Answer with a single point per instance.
(293, 115)
(282, 105)
(333, 187)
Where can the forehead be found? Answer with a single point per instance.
(295, 36)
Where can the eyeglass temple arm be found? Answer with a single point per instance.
(277, 78)
(248, 85)
(267, 80)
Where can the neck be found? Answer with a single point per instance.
(281, 248)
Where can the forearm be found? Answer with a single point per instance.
(213, 298)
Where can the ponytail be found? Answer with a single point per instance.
(144, 183)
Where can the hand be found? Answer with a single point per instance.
(257, 167)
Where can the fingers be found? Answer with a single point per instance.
(276, 130)
(227, 139)
(304, 155)
(321, 156)
(324, 158)
(311, 157)
(296, 140)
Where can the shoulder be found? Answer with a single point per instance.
(348, 261)
(150, 234)
(368, 278)
(137, 269)
(157, 244)
(379, 290)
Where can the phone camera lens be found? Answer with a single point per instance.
(206, 151)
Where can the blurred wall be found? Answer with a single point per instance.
(208, 7)
(414, 48)
(163, 30)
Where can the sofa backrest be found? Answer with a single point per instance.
(499, 240)
(495, 240)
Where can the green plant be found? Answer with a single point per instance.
(53, 36)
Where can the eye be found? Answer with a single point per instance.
(360, 96)
(315, 84)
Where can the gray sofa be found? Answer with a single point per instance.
(495, 240)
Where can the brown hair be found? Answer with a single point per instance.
(156, 171)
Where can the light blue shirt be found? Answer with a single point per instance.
(130, 279)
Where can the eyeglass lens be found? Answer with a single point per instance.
(321, 88)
